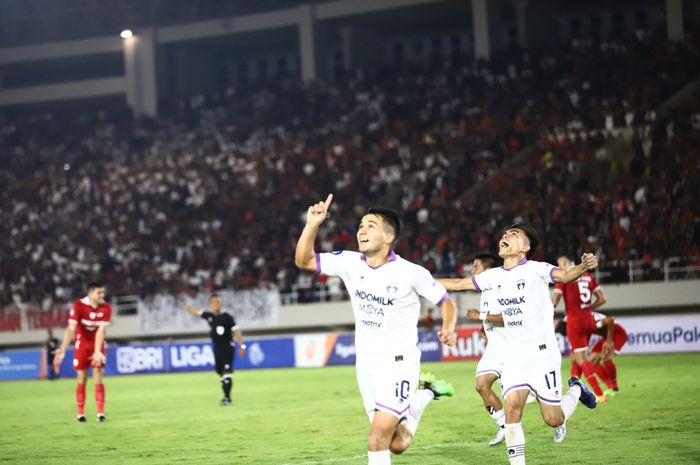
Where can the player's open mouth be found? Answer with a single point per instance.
(504, 244)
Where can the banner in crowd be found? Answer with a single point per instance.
(163, 314)
(10, 319)
(661, 334)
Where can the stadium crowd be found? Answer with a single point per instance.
(212, 193)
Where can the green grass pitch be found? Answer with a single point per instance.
(314, 416)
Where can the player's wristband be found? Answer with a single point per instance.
(483, 315)
(243, 346)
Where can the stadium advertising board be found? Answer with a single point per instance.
(313, 350)
(661, 334)
(470, 345)
(22, 364)
(317, 350)
(344, 351)
(429, 345)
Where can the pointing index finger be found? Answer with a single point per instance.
(327, 203)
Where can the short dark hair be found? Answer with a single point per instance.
(391, 217)
(214, 296)
(94, 285)
(487, 259)
(531, 236)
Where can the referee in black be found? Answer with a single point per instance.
(223, 327)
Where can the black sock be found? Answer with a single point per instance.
(226, 383)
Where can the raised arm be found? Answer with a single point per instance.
(305, 257)
(588, 262)
(449, 320)
(193, 310)
(457, 284)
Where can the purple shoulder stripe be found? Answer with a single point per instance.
(318, 263)
(551, 273)
(442, 299)
(476, 286)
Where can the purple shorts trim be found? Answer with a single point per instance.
(394, 411)
(476, 286)
(511, 388)
(483, 372)
(442, 299)
(543, 399)
(318, 263)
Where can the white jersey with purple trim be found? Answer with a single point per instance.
(384, 299)
(522, 296)
(494, 334)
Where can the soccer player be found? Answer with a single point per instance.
(88, 320)
(601, 355)
(581, 297)
(533, 362)
(51, 346)
(223, 327)
(491, 363)
(384, 290)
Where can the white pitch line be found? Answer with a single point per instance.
(448, 445)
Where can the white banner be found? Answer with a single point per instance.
(164, 314)
(661, 334)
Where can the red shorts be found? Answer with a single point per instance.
(83, 353)
(619, 340)
(579, 331)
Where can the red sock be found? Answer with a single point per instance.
(601, 372)
(80, 398)
(589, 373)
(100, 397)
(575, 369)
(611, 371)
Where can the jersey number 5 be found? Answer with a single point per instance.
(584, 291)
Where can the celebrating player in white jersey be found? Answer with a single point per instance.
(533, 363)
(384, 291)
(490, 364)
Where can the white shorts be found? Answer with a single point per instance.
(388, 383)
(491, 362)
(540, 375)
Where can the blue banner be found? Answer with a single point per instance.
(429, 345)
(343, 352)
(22, 364)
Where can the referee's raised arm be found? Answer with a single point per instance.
(305, 257)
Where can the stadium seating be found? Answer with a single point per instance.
(212, 194)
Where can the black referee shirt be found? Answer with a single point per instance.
(221, 326)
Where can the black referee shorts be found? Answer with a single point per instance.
(223, 358)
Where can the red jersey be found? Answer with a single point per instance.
(578, 295)
(89, 318)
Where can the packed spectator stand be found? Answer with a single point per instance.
(212, 194)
